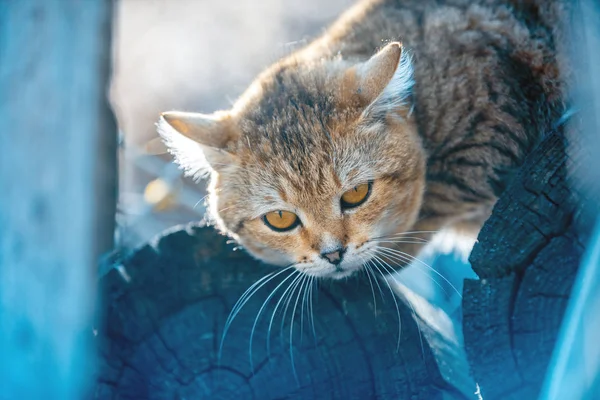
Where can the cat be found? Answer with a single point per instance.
(404, 118)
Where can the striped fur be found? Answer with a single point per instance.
(437, 132)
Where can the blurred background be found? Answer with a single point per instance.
(192, 55)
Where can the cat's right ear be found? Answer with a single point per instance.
(382, 83)
(199, 142)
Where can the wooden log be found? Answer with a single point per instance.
(527, 257)
(57, 185)
(182, 287)
(164, 327)
(575, 367)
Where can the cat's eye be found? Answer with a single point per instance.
(281, 221)
(356, 196)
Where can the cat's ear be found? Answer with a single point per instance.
(383, 81)
(199, 142)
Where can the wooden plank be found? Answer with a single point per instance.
(57, 185)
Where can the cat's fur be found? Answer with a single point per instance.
(437, 123)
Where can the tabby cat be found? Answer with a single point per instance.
(404, 118)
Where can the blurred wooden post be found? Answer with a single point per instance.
(57, 190)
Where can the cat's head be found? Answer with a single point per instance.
(316, 161)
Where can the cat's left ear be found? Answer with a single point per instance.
(383, 81)
(199, 142)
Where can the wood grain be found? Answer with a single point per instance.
(527, 257)
(163, 330)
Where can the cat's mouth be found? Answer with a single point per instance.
(333, 273)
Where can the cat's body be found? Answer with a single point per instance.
(330, 118)
(487, 85)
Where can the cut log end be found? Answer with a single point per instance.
(164, 329)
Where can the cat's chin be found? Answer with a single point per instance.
(333, 273)
(336, 275)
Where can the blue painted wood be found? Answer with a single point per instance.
(54, 184)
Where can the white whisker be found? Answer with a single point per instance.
(406, 261)
(403, 234)
(398, 241)
(414, 313)
(404, 237)
(369, 268)
(304, 278)
(199, 201)
(304, 305)
(296, 284)
(411, 258)
(368, 273)
(260, 312)
(244, 298)
(281, 299)
(312, 313)
(379, 261)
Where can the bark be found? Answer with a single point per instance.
(527, 257)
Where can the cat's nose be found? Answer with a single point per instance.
(334, 256)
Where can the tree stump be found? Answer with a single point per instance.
(527, 257)
(163, 326)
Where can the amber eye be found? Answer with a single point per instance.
(356, 196)
(281, 221)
